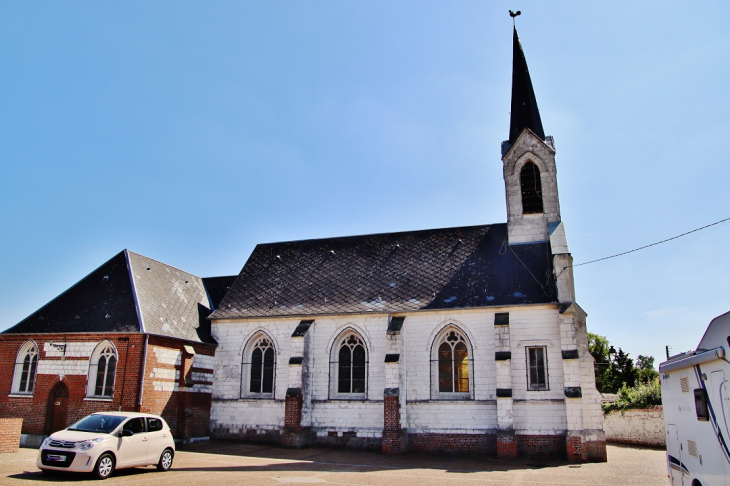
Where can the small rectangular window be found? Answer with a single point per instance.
(703, 413)
(537, 368)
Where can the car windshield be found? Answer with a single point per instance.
(97, 423)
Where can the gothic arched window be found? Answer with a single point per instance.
(451, 364)
(26, 365)
(102, 371)
(259, 365)
(531, 189)
(349, 366)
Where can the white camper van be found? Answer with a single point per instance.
(696, 402)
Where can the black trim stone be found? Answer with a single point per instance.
(501, 319)
(296, 360)
(504, 392)
(570, 354)
(302, 328)
(573, 392)
(395, 325)
(392, 358)
(293, 392)
(502, 355)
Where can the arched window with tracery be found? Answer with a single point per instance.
(102, 371)
(531, 187)
(26, 365)
(349, 366)
(259, 366)
(451, 360)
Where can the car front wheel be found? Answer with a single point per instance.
(104, 466)
(165, 460)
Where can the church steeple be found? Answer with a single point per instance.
(528, 158)
(524, 112)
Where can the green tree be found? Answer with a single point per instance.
(614, 369)
(643, 395)
(599, 349)
(621, 372)
(645, 369)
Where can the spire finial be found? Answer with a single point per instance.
(513, 15)
(524, 112)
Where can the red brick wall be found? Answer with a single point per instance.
(293, 411)
(186, 412)
(574, 448)
(391, 413)
(427, 442)
(10, 434)
(506, 445)
(35, 410)
(541, 445)
(394, 437)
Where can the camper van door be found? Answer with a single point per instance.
(673, 451)
(721, 408)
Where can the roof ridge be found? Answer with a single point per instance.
(383, 234)
(165, 264)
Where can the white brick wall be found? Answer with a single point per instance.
(204, 361)
(537, 412)
(63, 367)
(73, 349)
(253, 414)
(167, 355)
(452, 417)
(539, 417)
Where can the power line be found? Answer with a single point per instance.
(646, 246)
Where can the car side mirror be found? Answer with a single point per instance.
(127, 433)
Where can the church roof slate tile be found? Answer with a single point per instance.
(393, 272)
(171, 302)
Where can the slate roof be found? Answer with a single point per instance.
(218, 287)
(524, 112)
(395, 272)
(171, 302)
(102, 301)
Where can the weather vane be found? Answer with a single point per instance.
(513, 15)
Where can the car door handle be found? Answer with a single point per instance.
(144, 439)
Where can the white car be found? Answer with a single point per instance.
(103, 442)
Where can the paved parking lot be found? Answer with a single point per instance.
(227, 463)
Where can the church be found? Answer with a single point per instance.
(446, 340)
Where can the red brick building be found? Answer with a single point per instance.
(133, 335)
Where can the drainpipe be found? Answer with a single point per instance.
(124, 377)
(143, 371)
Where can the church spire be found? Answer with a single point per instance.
(524, 113)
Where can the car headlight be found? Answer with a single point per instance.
(45, 442)
(85, 446)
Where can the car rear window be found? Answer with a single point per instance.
(154, 424)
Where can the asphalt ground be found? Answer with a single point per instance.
(229, 463)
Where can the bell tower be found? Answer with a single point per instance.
(528, 158)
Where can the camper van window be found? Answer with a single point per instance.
(701, 404)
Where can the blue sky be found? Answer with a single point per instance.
(190, 131)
